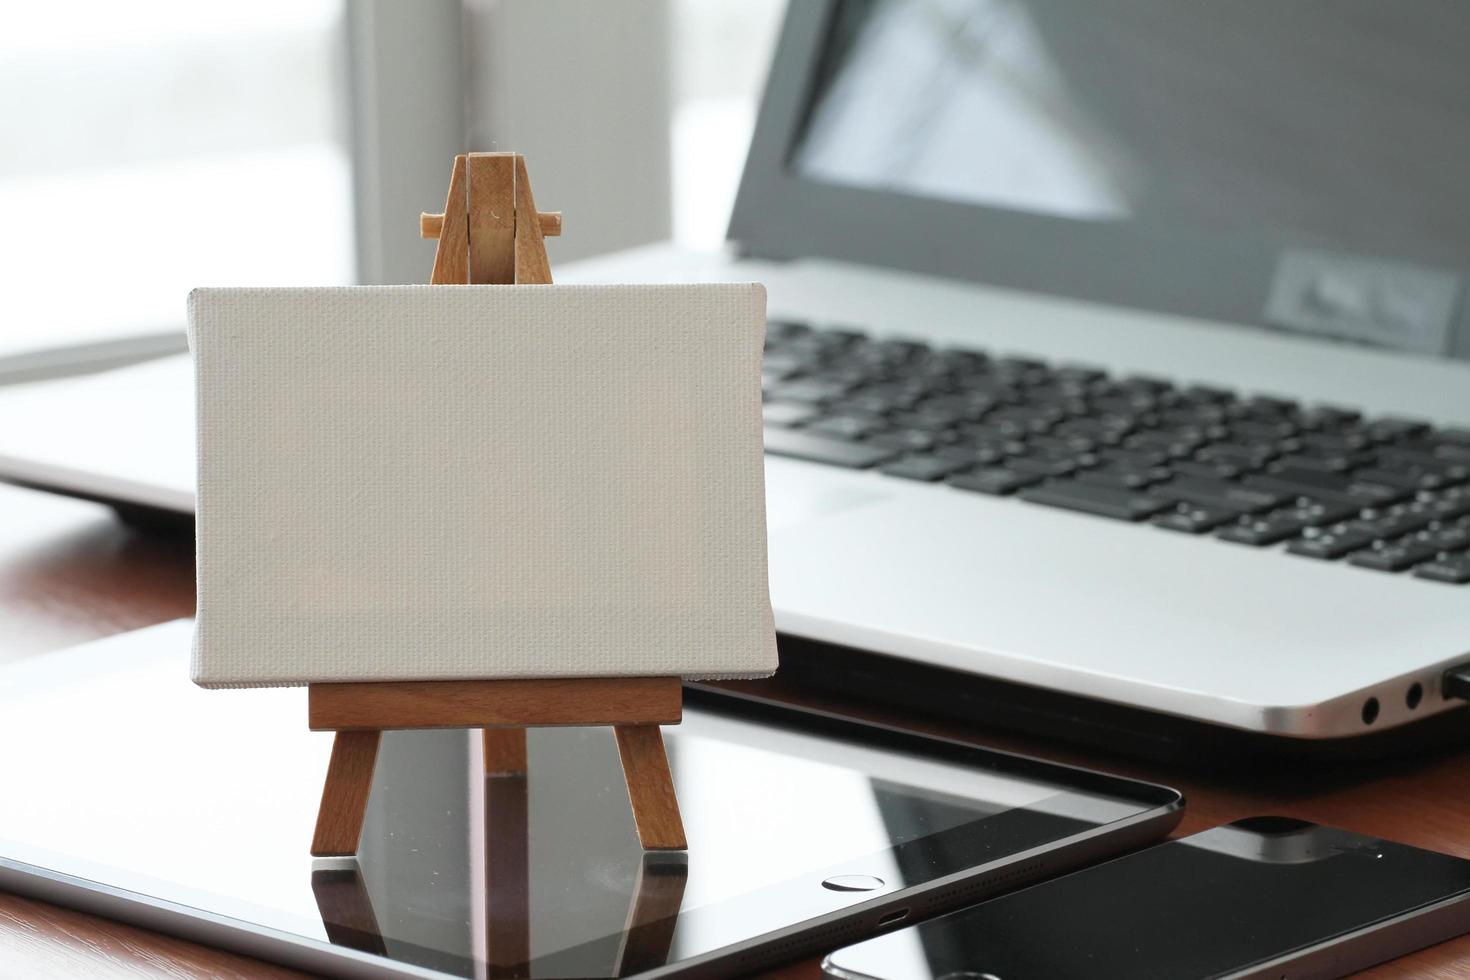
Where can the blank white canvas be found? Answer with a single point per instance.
(469, 482)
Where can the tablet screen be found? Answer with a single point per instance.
(204, 801)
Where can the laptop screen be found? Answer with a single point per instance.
(1315, 152)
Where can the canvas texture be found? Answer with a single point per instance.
(478, 482)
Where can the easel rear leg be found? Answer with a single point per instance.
(505, 751)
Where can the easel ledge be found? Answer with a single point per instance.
(491, 233)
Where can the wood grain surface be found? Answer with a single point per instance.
(650, 787)
(504, 750)
(345, 794)
(531, 263)
(70, 573)
(492, 217)
(452, 256)
(510, 703)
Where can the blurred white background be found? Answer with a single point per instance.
(157, 145)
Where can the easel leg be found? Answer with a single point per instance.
(505, 751)
(650, 787)
(345, 795)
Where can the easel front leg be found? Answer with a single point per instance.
(650, 787)
(345, 795)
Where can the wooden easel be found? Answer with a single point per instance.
(490, 232)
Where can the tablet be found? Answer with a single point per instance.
(131, 793)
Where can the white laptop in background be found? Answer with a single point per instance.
(1059, 292)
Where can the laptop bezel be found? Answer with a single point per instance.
(780, 214)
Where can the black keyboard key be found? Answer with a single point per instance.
(1040, 465)
(1314, 484)
(993, 479)
(1177, 443)
(985, 386)
(1267, 405)
(1454, 569)
(1218, 493)
(1395, 522)
(1124, 478)
(1246, 457)
(1408, 478)
(1451, 504)
(820, 449)
(1389, 429)
(1258, 432)
(963, 357)
(1205, 470)
(849, 376)
(1324, 462)
(928, 420)
(923, 466)
(1319, 511)
(1097, 429)
(1025, 418)
(1139, 459)
(1398, 456)
(1079, 374)
(968, 408)
(1332, 543)
(1263, 529)
(1453, 453)
(1103, 501)
(1327, 417)
(1143, 382)
(809, 390)
(787, 413)
(1123, 405)
(909, 440)
(1333, 442)
(1195, 518)
(971, 454)
(1395, 556)
(1207, 394)
(894, 349)
(1207, 417)
(1455, 537)
(1062, 445)
(851, 427)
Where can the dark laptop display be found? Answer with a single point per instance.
(1289, 165)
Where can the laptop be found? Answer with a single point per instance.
(1119, 351)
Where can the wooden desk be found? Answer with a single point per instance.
(69, 573)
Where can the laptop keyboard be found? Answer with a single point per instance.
(1320, 483)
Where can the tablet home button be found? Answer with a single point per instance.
(853, 883)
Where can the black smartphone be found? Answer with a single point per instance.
(1266, 897)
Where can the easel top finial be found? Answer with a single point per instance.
(482, 235)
